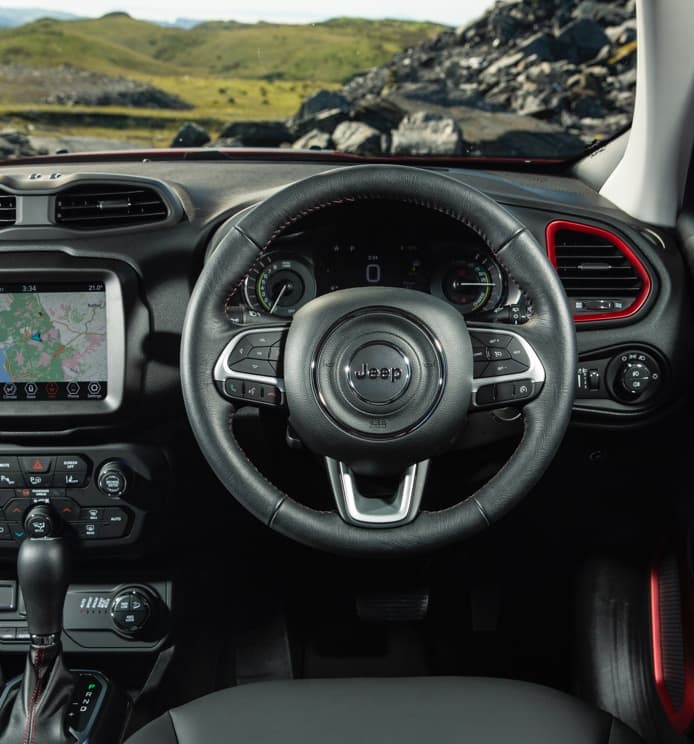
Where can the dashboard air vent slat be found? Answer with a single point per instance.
(602, 275)
(101, 206)
(8, 210)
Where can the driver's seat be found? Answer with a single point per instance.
(418, 710)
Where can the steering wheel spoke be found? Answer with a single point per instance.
(250, 368)
(507, 369)
(383, 505)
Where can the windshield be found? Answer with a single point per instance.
(528, 79)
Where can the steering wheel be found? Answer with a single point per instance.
(377, 380)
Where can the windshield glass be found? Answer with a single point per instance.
(530, 79)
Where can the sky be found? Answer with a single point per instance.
(451, 12)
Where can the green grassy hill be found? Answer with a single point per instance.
(120, 45)
(225, 69)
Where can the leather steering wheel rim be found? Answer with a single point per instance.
(549, 330)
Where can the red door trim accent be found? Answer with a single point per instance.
(680, 719)
(551, 236)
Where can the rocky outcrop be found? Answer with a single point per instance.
(254, 134)
(15, 144)
(71, 86)
(530, 77)
(191, 135)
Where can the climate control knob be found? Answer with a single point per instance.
(113, 478)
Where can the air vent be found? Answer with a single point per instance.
(99, 206)
(602, 275)
(8, 210)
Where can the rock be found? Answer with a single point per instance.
(314, 140)
(322, 100)
(17, 144)
(353, 136)
(379, 113)
(323, 121)
(582, 41)
(256, 133)
(544, 46)
(425, 133)
(532, 144)
(191, 135)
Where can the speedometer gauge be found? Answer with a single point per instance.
(471, 285)
(279, 285)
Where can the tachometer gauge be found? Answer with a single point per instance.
(279, 285)
(470, 284)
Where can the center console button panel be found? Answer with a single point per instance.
(97, 495)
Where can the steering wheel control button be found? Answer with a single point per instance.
(130, 611)
(509, 367)
(518, 353)
(497, 354)
(379, 373)
(252, 391)
(112, 479)
(233, 387)
(259, 367)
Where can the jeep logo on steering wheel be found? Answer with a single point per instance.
(375, 373)
(374, 364)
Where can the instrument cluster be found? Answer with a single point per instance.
(306, 265)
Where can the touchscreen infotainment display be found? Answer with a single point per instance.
(53, 341)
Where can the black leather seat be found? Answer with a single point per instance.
(435, 710)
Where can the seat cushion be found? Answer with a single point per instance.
(419, 710)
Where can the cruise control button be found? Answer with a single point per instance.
(509, 367)
(255, 367)
(495, 339)
(518, 353)
(479, 353)
(275, 352)
(497, 353)
(37, 464)
(11, 479)
(478, 369)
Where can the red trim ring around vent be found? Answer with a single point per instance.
(624, 249)
(681, 718)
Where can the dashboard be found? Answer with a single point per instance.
(99, 260)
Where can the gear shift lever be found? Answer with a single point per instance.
(38, 711)
(43, 568)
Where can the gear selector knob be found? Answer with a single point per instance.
(43, 571)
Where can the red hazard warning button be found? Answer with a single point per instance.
(36, 464)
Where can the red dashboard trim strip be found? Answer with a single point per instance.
(680, 719)
(551, 236)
